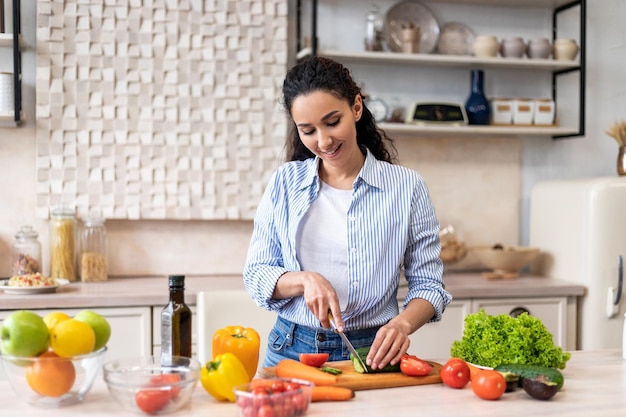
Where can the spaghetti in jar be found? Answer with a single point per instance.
(62, 243)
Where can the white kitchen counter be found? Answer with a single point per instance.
(151, 291)
(595, 386)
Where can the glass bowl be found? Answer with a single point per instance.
(274, 396)
(143, 385)
(52, 381)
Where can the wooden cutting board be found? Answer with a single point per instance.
(350, 378)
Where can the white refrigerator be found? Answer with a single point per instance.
(580, 228)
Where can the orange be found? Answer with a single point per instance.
(72, 337)
(51, 375)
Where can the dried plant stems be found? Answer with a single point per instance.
(618, 132)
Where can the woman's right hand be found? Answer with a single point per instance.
(319, 294)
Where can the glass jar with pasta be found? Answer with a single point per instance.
(93, 250)
(63, 243)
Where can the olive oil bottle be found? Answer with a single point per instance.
(175, 323)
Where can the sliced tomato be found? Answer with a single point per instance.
(455, 373)
(488, 384)
(411, 365)
(314, 359)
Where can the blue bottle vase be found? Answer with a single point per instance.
(477, 105)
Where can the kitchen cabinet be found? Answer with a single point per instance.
(407, 71)
(558, 314)
(15, 41)
(131, 335)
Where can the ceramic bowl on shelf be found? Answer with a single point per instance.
(143, 385)
(505, 261)
(52, 381)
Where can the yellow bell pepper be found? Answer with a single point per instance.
(240, 341)
(220, 375)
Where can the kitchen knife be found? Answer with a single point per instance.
(345, 340)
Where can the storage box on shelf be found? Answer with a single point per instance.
(549, 67)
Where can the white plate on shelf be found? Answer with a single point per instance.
(31, 290)
(409, 11)
(455, 39)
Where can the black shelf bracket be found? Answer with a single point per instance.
(17, 62)
(582, 68)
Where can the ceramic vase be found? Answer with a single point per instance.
(477, 105)
(539, 48)
(621, 161)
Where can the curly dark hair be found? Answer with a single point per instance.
(324, 74)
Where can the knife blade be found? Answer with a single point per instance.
(345, 340)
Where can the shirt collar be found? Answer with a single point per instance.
(370, 172)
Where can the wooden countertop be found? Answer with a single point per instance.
(151, 291)
(595, 383)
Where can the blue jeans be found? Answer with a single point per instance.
(288, 340)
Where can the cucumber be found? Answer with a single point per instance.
(363, 351)
(549, 376)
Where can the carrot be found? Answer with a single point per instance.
(473, 370)
(290, 368)
(331, 393)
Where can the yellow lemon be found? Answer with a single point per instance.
(72, 337)
(53, 318)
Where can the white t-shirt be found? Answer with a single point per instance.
(322, 241)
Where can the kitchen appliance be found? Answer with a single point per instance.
(580, 226)
(436, 113)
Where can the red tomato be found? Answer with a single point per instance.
(411, 365)
(152, 400)
(168, 379)
(488, 384)
(314, 359)
(455, 373)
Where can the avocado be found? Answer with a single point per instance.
(538, 389)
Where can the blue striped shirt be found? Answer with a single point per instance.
(391, 224)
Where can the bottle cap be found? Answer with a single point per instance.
(177, 281)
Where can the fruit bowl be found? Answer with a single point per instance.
(274, 396)
(52, 381)
(505, 262)
(142, 385)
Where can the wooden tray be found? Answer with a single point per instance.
(350, 378)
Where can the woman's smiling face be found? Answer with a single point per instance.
(327, 125)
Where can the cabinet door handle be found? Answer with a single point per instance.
(518, 310)
(620, 279)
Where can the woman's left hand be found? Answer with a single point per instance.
(392, 340)
(390, 344)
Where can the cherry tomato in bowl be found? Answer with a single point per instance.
(488, 384)
(455, 373)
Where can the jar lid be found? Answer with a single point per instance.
(62, 211)
(94, 220)
(26, 231)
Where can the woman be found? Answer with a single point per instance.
(336, 226)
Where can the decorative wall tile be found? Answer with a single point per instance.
(162, 109)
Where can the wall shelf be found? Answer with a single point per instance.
(554, 67)
(469, 130)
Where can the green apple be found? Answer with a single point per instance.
(24, 333)
(99, 324)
